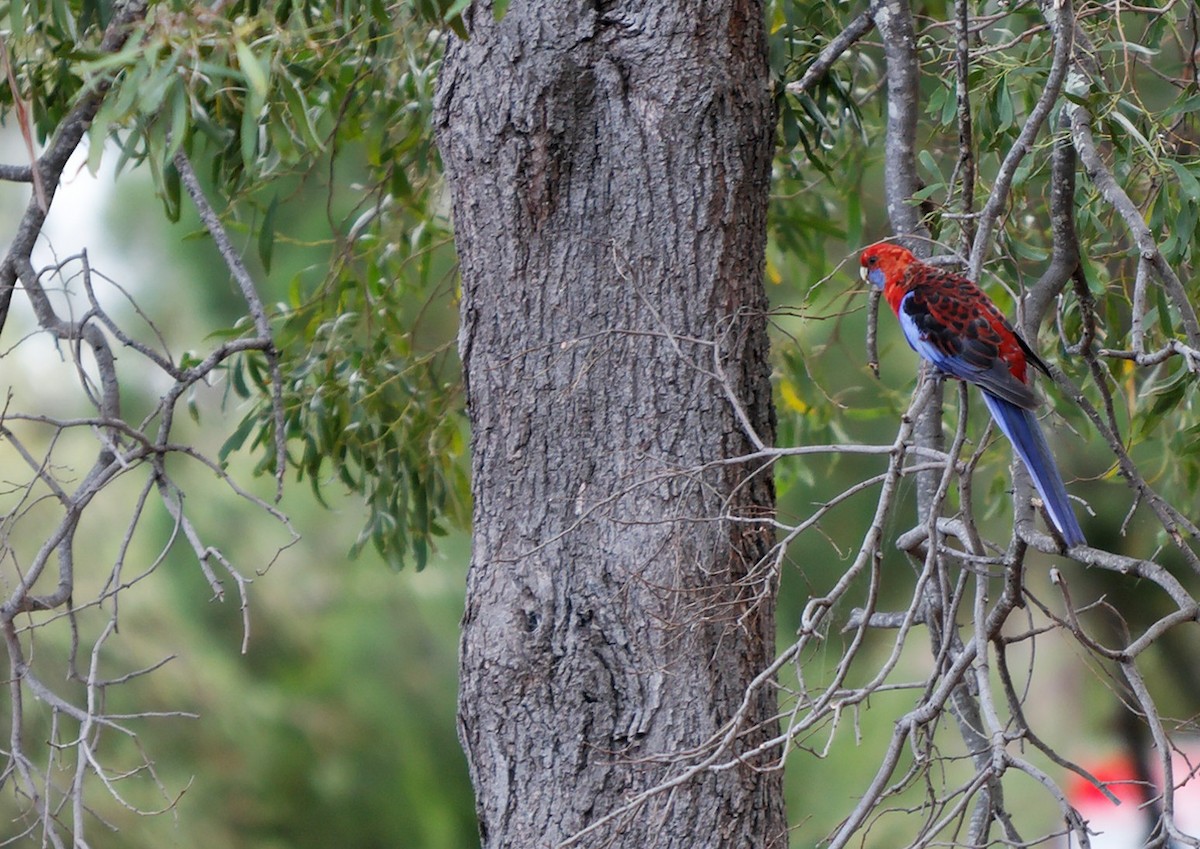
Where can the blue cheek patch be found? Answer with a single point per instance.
(876, 277)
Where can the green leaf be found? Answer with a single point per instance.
(453, 17)
(1165, 324)
(1166, 399)
(1024, 250)
(1188, 184)
(255, 74)
(238, 378)
(1004, 105)
(237, 438)
(930, 163)
(1191, 104)
(158, 85)
(193, 410)
(64, 19)
(1124, 47)
(926, 192)
(249, 129)
(790, 126)
(456, 9)
(178, 127)
(98, 135)
(298, 108)
(171, 191)
(1134, 132)
(266, 234)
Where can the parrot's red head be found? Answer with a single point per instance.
(884, 264)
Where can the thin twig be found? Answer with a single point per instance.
(258, 314)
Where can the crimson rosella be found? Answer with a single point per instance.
(949, 321)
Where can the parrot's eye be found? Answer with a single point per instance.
(871, 260)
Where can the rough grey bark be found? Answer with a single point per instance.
(609, 167)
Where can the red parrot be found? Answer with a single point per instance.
(949, 321)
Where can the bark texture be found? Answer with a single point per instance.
(609, 167)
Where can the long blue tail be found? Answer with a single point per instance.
(1023, 431)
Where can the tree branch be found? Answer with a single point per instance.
(856, 29)
(996, 201)
(66, 138)
(241, 276)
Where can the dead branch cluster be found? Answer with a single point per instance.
(57, 622)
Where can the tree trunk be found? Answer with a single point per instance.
(609, 168)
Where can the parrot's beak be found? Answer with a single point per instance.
(862, 272)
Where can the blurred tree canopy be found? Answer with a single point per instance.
(311, 295)
(320, 105)
(293, 141)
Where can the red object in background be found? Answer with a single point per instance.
(1128, 825)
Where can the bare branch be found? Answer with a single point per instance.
(1135, 223)
(1063, 40)
(856, 29)
(893, 19)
